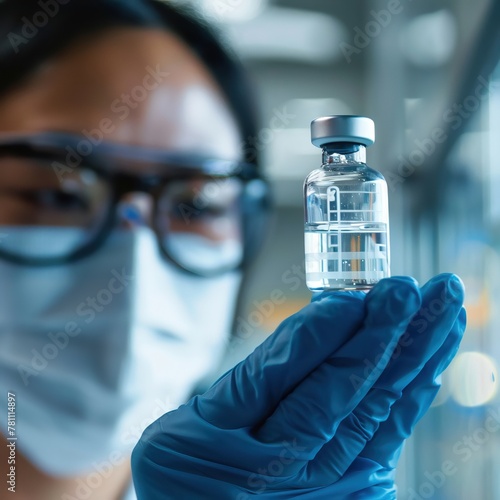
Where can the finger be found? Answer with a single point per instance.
(248, 393)
(386, 445)
(311, 413)
(420, 343)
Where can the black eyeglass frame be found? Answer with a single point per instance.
(103, 159)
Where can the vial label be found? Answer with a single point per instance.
(346, 237)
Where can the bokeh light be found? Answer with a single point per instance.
(474, 379)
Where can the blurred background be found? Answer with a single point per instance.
(428, 73)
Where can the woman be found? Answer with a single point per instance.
(129, 206)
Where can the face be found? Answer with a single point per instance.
(132, 87)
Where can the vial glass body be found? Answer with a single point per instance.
(346, 223)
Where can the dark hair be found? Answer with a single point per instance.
(32, 31)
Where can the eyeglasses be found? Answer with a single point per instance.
(208, 215)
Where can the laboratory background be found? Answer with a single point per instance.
(428, 73)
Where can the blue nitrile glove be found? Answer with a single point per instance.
(320, 410)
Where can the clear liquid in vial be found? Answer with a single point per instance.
(345, 256)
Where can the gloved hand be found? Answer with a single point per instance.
(320, 410)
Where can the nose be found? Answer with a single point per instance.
(135, 210)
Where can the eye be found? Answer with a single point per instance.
(60, 200)
(187, 208)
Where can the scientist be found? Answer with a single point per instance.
(129, 208)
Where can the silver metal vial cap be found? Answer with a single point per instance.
(342, 128)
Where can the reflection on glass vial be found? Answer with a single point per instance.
(346, 209)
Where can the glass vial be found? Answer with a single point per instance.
(346, 209)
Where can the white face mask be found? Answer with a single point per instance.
(98, 349)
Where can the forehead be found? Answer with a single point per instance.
(134, 86)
